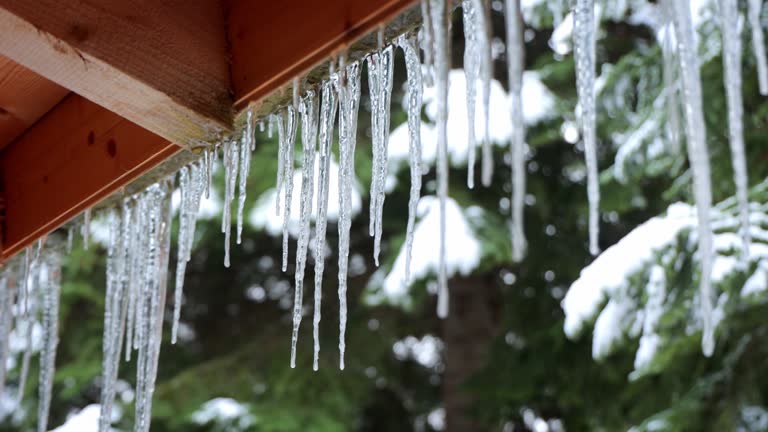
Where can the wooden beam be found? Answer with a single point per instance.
(275, 41)
(160, 64)
(24, 97)
(74, 157)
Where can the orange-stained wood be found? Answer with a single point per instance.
(24, 97)
(74, 157)
(274, 41)
(161, 64)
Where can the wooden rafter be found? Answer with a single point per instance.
(298, 35)
(96, 152)
(157, 72)
(24, 97)
(160, 64)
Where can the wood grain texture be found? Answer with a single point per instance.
(24, 97)
(161, 64)
(274, 41)
(74, 157)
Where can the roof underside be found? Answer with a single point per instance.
(100, 98)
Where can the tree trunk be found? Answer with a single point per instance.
(468, 332)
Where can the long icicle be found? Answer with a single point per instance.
(584, 52)
(289, 130)
(279, 120)
(327, 116)
(151, 301)
(7, 290)
(50, 282)
(29, 307)
(246, 147)
(308, 110)
(515, 66)
(349, 103)
(185, 189)
(471, 75)
(427, 37)
(485, 59)
(415, 93)
(85, 230)
(670, 74)
(440, 19)
(386, 59)
(374, 82)
(758, 44)
(191, 186)
(729, 24)
(231, 165)
(696, 141)
(109, 354)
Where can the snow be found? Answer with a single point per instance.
(757, 283)
(463, 249)
(611, 269)
(85, 420)
(223, 410)
(604, 286)
(560, 41)
(426, 351)
(538, 105)
(262, 216)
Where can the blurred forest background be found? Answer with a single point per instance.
(501, 361)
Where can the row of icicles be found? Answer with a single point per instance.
(139, 229)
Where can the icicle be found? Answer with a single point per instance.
(387, 59)
(308, 110)
(671, 82)
(110, 341)
(50, 282)
(327, 115)
(191, 185)
(151, 298)
(280, 158)
(246, 147)
(427, 42)
(86, 228)
(758, 44)
(380, 66)
(699, 158)
(471, 74)
(485, 59)
(374, 82)
(288, 133)
(515, 65)
(7, 291)
(729, 24)
(349, 103)
(29, 307)
(440, 19)
(415, 92)
(134, 261)
(24, 292)
(584, 53)
(70, 239)
(231, 164)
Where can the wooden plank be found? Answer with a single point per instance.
(160, 64)
(24, 97)
(274, 41)
(74, 157)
